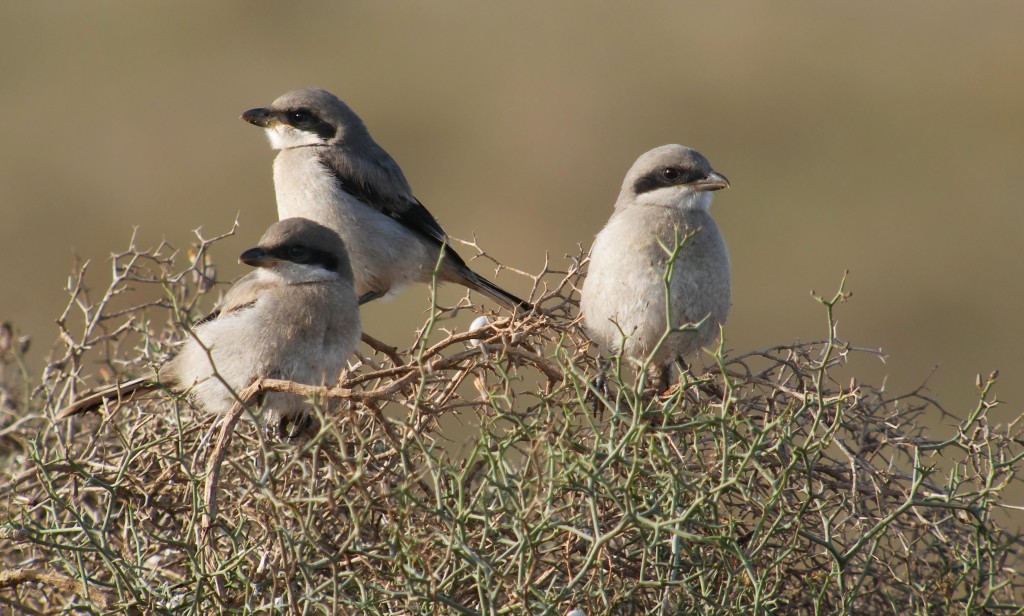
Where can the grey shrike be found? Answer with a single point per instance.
(330, 170)
(665, 196)
(294, 317)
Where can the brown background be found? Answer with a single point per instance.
(884, 139)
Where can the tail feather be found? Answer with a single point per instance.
(121, 391)
(478, 283)
(455, 269)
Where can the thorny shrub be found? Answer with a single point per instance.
(762, 484)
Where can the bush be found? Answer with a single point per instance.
(761, 485)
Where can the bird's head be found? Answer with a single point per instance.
(306, 117)
(300, 250)
(671, 176)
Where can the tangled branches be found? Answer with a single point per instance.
(505, 469)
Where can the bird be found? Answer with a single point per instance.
(294, 317)
(329, 169)
(630, 300)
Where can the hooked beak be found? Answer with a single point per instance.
(713, 181)
(264, 118)
(257, 257)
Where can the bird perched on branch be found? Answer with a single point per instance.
(660, 268)
(294, 317)
(330, 170)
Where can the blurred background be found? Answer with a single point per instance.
(884, 139)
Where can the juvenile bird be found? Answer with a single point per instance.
(627, 305)
(330, 170)
(294, 317)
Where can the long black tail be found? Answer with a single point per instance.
(455, 269)
(121, 391)
(478, 283)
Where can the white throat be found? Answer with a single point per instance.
(678, 197)
(287, 273)
(282, 137)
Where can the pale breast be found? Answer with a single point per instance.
(625, 300)
(386, 256)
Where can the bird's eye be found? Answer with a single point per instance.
(298, 254)
(298, 116)
(671, 173)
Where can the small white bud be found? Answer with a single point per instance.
(478, 323)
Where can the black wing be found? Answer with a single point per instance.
(409, 212)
